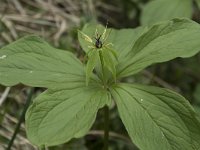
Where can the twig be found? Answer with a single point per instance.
(20, 138)
(19, 7)
(160, 81)
(13, 120)
(4, 95)
(10, 26)
(111, 134)
(29, 19)
(108, 6)
(63, 27)
(27, 30)
(6, 37)
(49, 6)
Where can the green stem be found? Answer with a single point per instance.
(106, 108)
(103, 71)
(42, 148)
(28, 100)
(106, 127)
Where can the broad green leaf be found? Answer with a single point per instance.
(113, 53)
(109, 62)
(34, 62)
(197, 109)
(60, 114)
(157, 118)
(198, 3)
(162, 10)
(122, 40)
(93, 58)
(162, 42)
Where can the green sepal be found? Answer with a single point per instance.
(93, 58)
(109, 61)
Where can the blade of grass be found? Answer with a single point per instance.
(28, 100)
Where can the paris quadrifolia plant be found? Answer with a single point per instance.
(155, 118)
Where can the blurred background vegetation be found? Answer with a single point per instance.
(57, 22)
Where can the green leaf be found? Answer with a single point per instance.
(197, 109)
(34, 62)
(123, 40)
(157, 118)
(198, 3)
(63, 113)
(109, 62)
(112, 53)
(162, 10)
(162, 42)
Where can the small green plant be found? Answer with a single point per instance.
(155, 118)
(100, 52)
